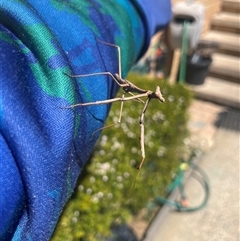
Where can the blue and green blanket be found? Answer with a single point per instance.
(44, 147)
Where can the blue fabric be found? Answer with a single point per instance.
(156, 16)
(42, 146)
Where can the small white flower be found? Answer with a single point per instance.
(95, 199)
(116, 146)
(131, 134)
(76, 213)
(187, 141)
(105, 166)
(134, 150)
(110, 196)
(161, 151)
(129, 119)
(74, 219)
(150, 144)
(115, 161)
(104, 138)
(100, 194)
(119, 178)
(126, 174)
(89, 191)
(92, 179)
(171, 98)
(80, 188)
(115, 119)
(181, 100)
(105, 178)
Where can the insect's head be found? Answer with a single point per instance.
(158, 94)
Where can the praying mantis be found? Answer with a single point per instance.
(127, 87)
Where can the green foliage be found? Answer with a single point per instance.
(104, 195)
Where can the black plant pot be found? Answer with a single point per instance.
(197, 69)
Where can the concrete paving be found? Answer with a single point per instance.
(216, 130)
(219, 91)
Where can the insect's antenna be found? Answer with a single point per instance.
(119, 55)
(163, 84)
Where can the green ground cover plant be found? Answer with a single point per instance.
(104, 195)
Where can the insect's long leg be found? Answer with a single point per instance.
(142, 132)
(108, 101)
(114, 124)
(100, 73)
(142, 146)
(119, 55)
(138, 99)
(124, 83)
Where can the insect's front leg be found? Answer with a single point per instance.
(142, 146)
(142, 132)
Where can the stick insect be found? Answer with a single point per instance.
(129, 88)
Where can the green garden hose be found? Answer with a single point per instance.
(180, 206)
(183, 63)
(185, 170)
